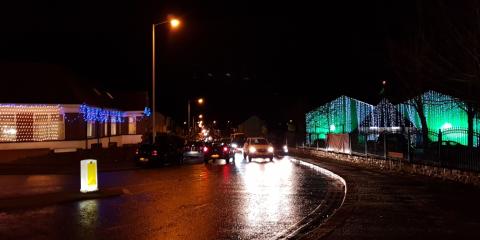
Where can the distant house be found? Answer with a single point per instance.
(46, 107)
(443, 113)
(341, 115)
(253, 127)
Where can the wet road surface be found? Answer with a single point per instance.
(257, 200)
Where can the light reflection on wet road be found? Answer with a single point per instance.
(257, 200)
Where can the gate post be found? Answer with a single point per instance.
(439, 148)
(384, 145)
(408, 144)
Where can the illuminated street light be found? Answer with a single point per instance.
(200, 116)
(199, 101)
(174, 24)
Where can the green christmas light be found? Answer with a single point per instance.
(341, 115)
(344, 114)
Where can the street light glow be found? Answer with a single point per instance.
(174, 23)
(200, 116)
(200, 101)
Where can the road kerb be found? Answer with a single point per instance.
(321, 213)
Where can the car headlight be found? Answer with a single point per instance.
(285, 148)
(252, 149)
(270, 149)
(234, 145)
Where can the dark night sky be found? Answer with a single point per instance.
(279, 55)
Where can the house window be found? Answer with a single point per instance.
(90, 126)
(105, 128)
(25, 123)
(132, 125)
(8, 128)
(113, 127)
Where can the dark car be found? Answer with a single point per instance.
(281, 148)
(216, 150)
(166, 149)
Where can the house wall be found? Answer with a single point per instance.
(73, 144)
(75, 127)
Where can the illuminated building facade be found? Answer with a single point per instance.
(25, 126)
(443, 113)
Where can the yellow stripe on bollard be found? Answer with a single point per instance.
(92, 174)
(88, 175)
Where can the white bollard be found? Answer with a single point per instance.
(88, 176)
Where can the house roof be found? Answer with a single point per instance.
(53, 84)
(252, 118)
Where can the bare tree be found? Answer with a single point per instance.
(446, 57)
(457, 56)
(410, 60)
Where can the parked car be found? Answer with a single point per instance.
(166, 149)
(257, 147)
(217, 150)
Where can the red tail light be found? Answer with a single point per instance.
(154, 153)
(225, 149)
(205, 149)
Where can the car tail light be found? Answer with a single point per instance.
(205, 149)
(225, 149)
(154, 153)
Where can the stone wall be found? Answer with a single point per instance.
(395, 165)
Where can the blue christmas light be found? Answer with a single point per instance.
(95, 114)
(147, 112)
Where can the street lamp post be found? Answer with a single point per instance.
(154, 131)
(188, 117)
(174, 23)
(199, 101)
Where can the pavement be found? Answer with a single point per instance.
(389, 205)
